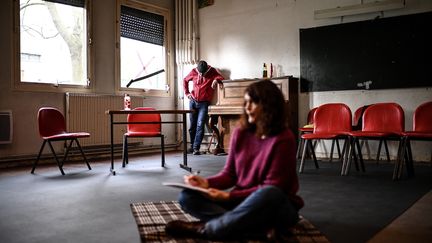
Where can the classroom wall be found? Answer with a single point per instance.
(24, 105)
(239, 36)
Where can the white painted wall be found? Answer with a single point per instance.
(238, 36)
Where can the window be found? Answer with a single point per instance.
(52, 43)
(143, 48)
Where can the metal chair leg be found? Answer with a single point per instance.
(338, 148)
(300, 144)
(38, 157)
(354, 155)
(301, 168)
(344, 155)
(410, 164)
(349, 157)
(55, 156)
(66, 152)
(397, 171)
(387, 151)
(379, 151)
(360, 155)
(82, 153)
(163, 150)
(125, 151)
(312, 149)
(331, 150)
(344, 149)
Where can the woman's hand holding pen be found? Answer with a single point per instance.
(215, 194)
(196, 180)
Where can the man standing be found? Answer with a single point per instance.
(205, 79)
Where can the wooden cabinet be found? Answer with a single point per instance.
(228, 108)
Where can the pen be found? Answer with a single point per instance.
(195, 172)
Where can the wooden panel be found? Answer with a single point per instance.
(233, 91)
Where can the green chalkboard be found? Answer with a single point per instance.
(382, 53)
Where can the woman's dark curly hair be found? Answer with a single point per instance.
(272, 115)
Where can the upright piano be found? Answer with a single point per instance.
(229, 103)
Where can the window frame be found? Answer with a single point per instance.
(167, 44)
(18, 85)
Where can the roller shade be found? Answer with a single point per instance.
(75, 3)
(142, 26)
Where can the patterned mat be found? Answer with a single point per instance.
(151, 218)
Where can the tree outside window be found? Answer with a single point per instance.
(53, 42)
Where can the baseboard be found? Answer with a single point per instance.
(92, 154)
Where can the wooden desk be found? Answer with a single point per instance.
(111, 113)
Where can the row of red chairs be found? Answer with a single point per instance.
(381, 121)
(357, 125)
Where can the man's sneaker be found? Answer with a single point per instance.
(190, 151)
(196, 152)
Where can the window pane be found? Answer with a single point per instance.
(142, 50)
(139, 59)
(53, 43)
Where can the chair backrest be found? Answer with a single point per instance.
(384, 117)
(310, 116)
(144, 118)
(333, 117)
(51, 122)
(422, 118)
(358, 117)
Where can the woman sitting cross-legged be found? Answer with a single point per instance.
(256, 191)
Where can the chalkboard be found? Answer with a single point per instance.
(382, 53)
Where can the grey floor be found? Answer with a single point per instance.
(93, 206)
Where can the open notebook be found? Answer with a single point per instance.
(185, 186)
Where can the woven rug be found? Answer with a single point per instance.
(151, 218)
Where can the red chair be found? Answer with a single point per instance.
(52, 127)
(380, 121)
(143, 125)
(422, 131)
(331, 121)
(357, 125)
(308, 128)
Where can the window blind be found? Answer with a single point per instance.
(142, 26)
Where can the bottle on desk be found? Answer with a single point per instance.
(271, 70)
(127, 102)
(265, 70)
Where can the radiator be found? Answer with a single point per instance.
(6, 127)
(86, 113)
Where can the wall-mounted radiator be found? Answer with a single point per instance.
(86, 113)
(6, 127)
